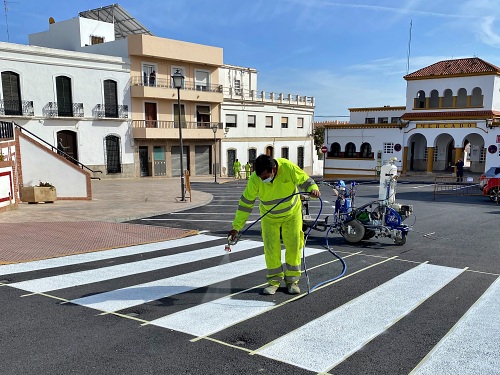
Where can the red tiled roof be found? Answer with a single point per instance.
(454, 114)
(468, 66)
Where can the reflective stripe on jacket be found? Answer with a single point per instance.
(288, 177)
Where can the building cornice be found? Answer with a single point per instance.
(373, 109)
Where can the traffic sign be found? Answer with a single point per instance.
(324, 149)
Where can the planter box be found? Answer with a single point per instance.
(37, 194)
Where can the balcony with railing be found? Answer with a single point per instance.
(16, 108)
(110, 111)
(268, 97)
(163, 88)
(156, 129)
(53, 109)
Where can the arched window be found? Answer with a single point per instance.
(300, 157)
(366, 150)
(462, 98)
(64, 98)
(284, 152)
(110, 99)
(335, 150)
(477, 97)
(350, 150)
(252, 155)
(112, 150)
(448, 98)
(434, 99)
(420, 99)
(11, 94)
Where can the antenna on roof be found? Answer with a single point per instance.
(409, 50)
(6, 19)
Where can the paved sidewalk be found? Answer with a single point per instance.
(39, 231)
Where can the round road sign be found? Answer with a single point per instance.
(324, 149)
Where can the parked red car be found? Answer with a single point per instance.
(492, 172)
(492, 189)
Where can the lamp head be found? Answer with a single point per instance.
(178, 79)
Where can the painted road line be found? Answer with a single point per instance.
(143, 293)
(325, 342)
(473, 345)
(102, 255)
(133, 268)
(214, 316)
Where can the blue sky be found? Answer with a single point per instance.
(350, 53)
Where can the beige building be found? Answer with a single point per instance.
(155, 120)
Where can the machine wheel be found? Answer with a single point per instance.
(495, 195)
(368, 234)
(400, 241)
(353, 231)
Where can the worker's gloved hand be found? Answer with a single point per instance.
(315, 193)
(232, 237)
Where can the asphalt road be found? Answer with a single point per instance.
(187, 307)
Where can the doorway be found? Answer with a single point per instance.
(231, 157)
(66, 141)
(143, 161)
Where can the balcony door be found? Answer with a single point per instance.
(150, 115)
(64, 97)
(203, 116)
(11, 94)
(201, 78)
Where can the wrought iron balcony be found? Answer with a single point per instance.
(110, 111)
(53, 109)
(167, 83)
(16, 108)
(175, 124)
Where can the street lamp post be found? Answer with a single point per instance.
(214, 129)
(178, 80)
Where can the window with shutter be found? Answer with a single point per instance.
(64, 99)
(113, 164)
(110, 99)
(11, 93)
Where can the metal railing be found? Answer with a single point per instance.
(167, 83)
(110, 111)
(175, 124)
(52, 109)
(270, 97)
(16, 108)
(457, 186)
(57, 150)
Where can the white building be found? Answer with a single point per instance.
(452, 111)
(258, 122)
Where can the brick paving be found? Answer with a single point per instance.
(38, 240)
(41, 231)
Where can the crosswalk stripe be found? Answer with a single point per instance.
(10, 269)
(121, 270)
(143, 293)
(472, 346)
(325, 342)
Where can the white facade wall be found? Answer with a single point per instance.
(73, 34)
(38, 68)
(359, 117)
(486, 83)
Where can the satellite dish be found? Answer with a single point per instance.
(51, 20)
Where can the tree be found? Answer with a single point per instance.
(319, 138)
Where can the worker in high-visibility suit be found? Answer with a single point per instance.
(273, 180)
(237, 169)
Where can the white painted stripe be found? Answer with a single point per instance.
(101, 255)
(138, 294)
(325, 342)
(208, 213)
(214, 316)
(473, 345)
(121, 270)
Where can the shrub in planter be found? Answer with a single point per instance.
(43, 192)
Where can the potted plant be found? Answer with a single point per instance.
(43, 192)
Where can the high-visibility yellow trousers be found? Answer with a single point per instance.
(293, 239)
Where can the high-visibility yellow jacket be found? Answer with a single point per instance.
(288, 177)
